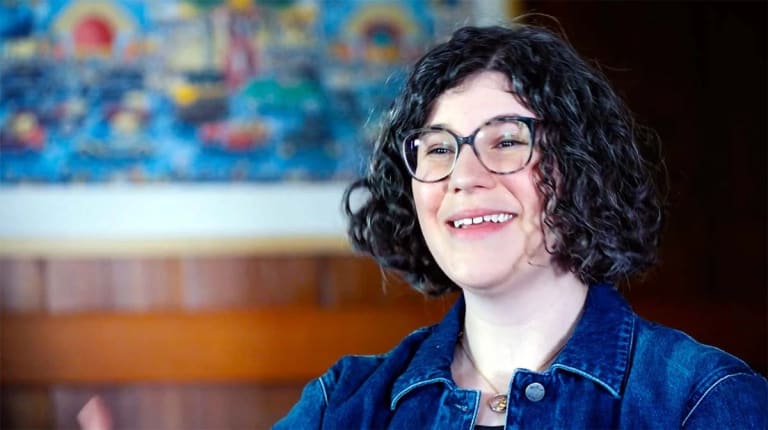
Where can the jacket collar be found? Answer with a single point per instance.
(601, 345)
(432, 361)
(599, 348)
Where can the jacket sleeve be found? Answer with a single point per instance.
(308, 412)
(733, 401)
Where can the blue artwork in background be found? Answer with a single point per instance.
(191, 91)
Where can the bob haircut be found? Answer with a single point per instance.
(596, 175)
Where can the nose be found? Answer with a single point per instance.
(469, 173)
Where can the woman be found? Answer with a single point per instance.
(509, 169)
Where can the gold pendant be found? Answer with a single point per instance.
(498, 403)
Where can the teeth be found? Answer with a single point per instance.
(496, 218)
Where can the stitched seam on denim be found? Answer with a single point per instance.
(379, 357)
(475, 410)
(410, 388)
(630, 351)
(708, 390)
(622, 357)
(325, 393)
(589, 376)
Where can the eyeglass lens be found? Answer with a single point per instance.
(503, 146)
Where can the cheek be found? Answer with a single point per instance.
(427, 199)
(523, 187)
(532, 201)
(527, 193)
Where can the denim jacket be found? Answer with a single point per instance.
(616, 371)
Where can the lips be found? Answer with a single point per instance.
(468, 221)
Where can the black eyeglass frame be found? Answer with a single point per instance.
(469, 140)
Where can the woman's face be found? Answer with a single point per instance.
(488, 254)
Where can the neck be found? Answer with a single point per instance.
(523, 326)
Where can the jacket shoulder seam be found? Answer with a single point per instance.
(708, 390)
(324, 390)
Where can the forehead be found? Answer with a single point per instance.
(479, 98)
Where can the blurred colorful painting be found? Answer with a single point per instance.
(203, 91)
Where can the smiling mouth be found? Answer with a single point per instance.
(492, 218)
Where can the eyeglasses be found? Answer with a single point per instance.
(503, 145)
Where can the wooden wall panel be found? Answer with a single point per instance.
(276, 345)
(242, 282)
(144, 284)
(26, 408)
(180, 407)
(76, 285)
(291, 344)
(351, 281)
(22, 285)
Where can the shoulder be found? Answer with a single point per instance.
(353, 387)
(681, 355)
(731, 399)
(374, 372)
(708, 383)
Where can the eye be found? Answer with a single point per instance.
(439, 149)
(435, 144)
(509, 143)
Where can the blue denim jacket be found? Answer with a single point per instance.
(616, 371)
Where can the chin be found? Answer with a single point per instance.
(478, 275)
(484, 276)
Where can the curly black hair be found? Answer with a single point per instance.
(597, 173)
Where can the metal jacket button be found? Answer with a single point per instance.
(535, 392)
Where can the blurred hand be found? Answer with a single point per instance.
(95, 415)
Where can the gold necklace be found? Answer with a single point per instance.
(497, 403)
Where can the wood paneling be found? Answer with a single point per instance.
(22, 286)
(270, 345)
(350, 281)
(145, 284)
(76, 285)
(26, 407)
(242, 282)
(292, 344)
(178, 407)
